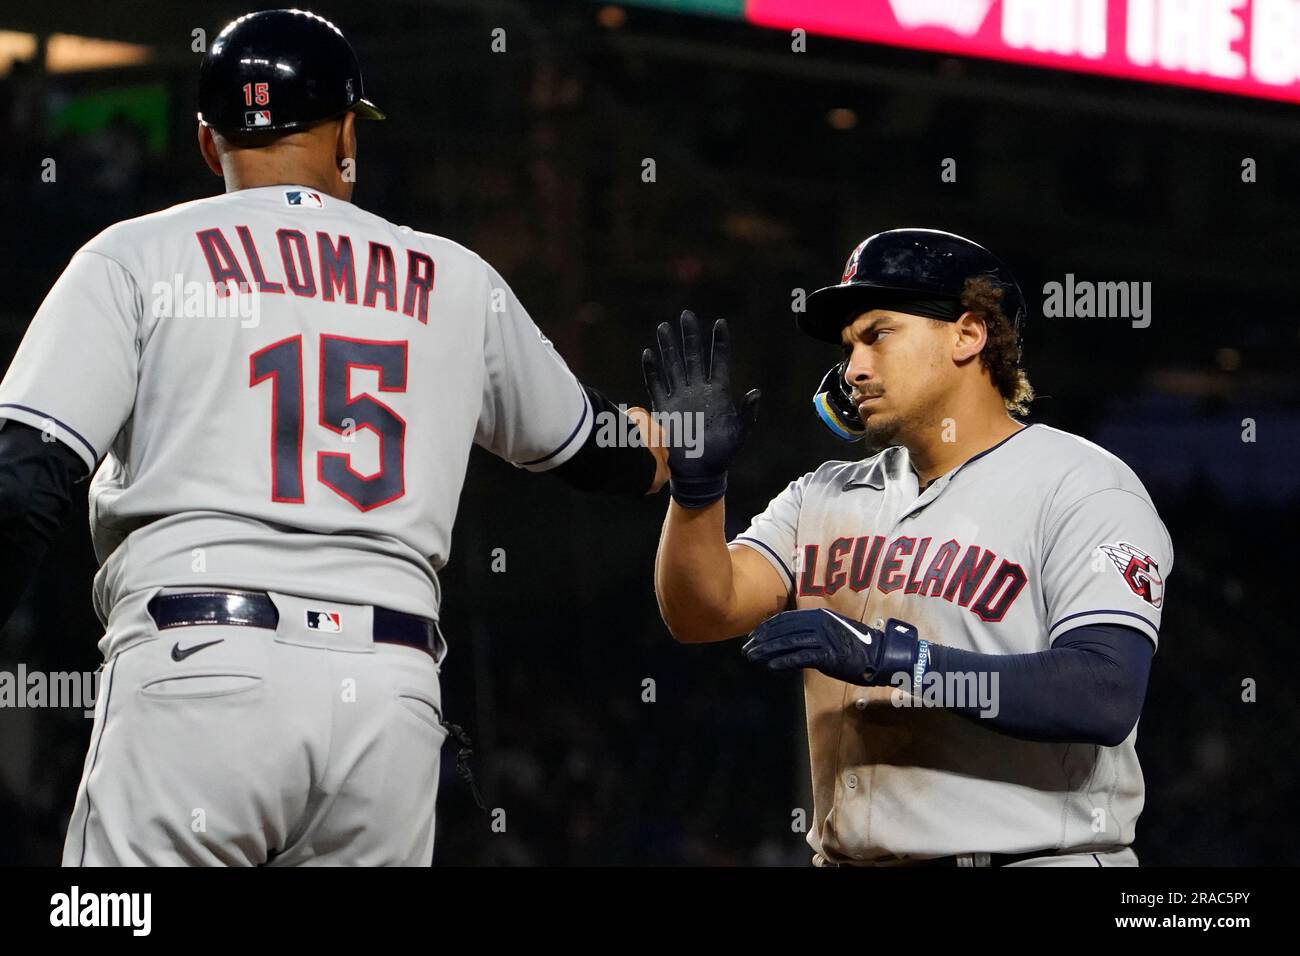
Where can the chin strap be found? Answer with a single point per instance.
(835, 408)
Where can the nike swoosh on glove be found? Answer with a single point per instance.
(836, 645)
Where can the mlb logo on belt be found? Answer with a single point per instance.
(256, 118)
(297, 197)
(324, 621)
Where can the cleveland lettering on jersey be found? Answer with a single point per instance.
(322, 266)
(857, 563)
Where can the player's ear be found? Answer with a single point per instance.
(346, 144)
(970, 332)
(208, 147)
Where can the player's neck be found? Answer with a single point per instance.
(244, 177)
(945, 447)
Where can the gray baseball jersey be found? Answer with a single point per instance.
(1043, 533)
(283, 390)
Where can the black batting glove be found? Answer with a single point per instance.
(684, 382)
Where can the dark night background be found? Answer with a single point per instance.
(533, 159)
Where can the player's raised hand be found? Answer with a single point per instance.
(690, 392)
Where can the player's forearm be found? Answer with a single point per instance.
(1088, 688)
(36, 478)
(614, 467)
(693, 575)
(688, 380)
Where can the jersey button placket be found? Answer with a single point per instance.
(890, 513)
(894, 512)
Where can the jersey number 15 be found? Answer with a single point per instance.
(340, 412)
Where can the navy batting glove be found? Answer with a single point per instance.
(686, 381)
(836, 645)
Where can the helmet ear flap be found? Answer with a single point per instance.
(835, 408)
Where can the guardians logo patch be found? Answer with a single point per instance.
(1138, 569)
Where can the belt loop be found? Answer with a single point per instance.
(981, 859)
(439, 645)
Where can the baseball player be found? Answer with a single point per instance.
(276, 474)
(974, 605)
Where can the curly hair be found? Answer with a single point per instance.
(1001, 353)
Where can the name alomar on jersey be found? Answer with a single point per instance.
(870, 560)
(323, 266)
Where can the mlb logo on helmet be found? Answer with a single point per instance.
(256, 118)
(324, 621)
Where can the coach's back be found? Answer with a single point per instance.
(283, 389)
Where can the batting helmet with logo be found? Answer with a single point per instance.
(912, 270)
(279, 70)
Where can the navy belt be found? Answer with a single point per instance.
(256, 609)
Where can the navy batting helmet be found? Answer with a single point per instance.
(925, 268)
(279, 70)
(892, 266)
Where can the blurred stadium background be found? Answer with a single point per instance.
(771, 165)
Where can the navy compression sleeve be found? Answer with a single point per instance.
(1087, 688)
(36, 478)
